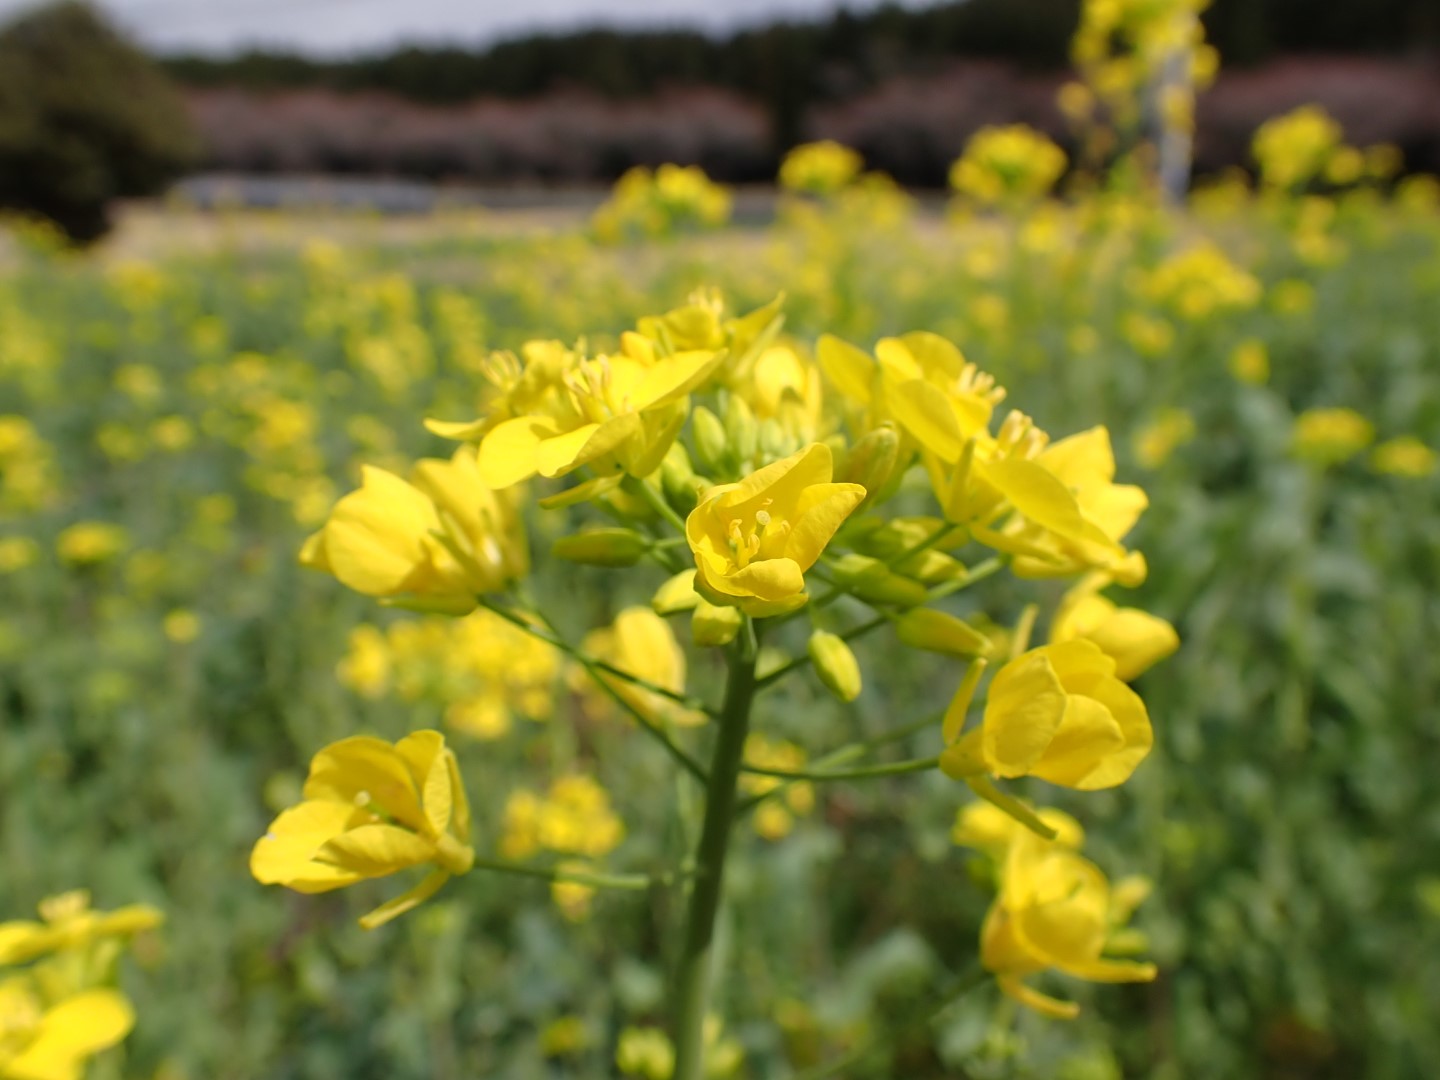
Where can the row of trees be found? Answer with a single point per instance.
(791, 64)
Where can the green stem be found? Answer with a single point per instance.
(658, 503)
(978, 573)
(595, 668)
(849, 752)
(634, 882)
(692, 988)
(894, 768)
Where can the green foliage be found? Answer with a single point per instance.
(85, 119)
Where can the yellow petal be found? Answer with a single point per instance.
(375, 539)
(362, 770)
(1034, 999)
(463, 430)
(1085, 737)
(562, 453)
(69, 1033)
(406, 901)
(1113, 971)
(376, 850)
(768, 579)
(285, 854)
(925, 412)
(1025, 707)
(1134, 722)
(782, 481)
(849, 368)
(828, 507)
(673, 378)
(1042, 498)
(509, 452)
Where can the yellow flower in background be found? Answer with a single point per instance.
(820, 168)
(181, 626)
(785, 394)
(1250, 362)
(1058, 712)
(574, 817)
(444, 535)
(754, 540)
(68, 922)
(1403, 456)
(1055, 911)
(656, 203)
(1201, 282)
(42, 1040)
(1013, 162)
(88, 543)
(1295, 148)
(17, 553)
(1069, 514)
(370, 809)
(775, 818)
(1330, 436)
(1134, 639)
(1172, 428)
(367, 664)
(987, 828)
(642, 644)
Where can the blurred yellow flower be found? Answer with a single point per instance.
(1014, 162)
(1250, 362)
(90, 542)
(1172, 428)
(1330, 436)
(642, 644)
(1055, 911)
(820, 168)
(1058, 712)
(370, 809)
(1403, 456)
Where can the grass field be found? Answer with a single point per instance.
(178, 413)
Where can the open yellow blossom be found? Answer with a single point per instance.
(1295, 148)
(754, 540)
(444, 535)
(40, 1042)
(1134, 639)
(1057, 712)
(619, 412)
(641, 643)
(67, 922)
(372, 808)
(1055, 911)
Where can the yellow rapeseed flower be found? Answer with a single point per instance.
(89, 542)
(642, 644)
(54, 1041)
(1055, 911)
(372, 808)
(754, 540)
(820, 168)
(1134, 639)
(1058, 712)
(1403, 456)
(1331, 436)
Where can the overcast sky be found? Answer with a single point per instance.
(340, 26)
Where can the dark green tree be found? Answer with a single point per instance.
(85, 119)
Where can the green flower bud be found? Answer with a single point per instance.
(835, 664)
(742, 428)
(602, 547)
(871, 461)
(871, 580)
(714, 625)
(712, 446)
(939, 631)
(678, 481)
(676, 595)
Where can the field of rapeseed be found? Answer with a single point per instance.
(186, 440)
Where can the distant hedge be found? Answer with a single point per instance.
(85, 118)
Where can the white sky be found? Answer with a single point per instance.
(341, 26)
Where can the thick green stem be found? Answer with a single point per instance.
(692, 990)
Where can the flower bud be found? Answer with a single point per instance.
(714, 625)
(874, 582)
(678, 481)
(835, 664)
(602, 547)
(676, 595)
(712, 446)
(939, 631)
(871, 461)
(742, 428)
